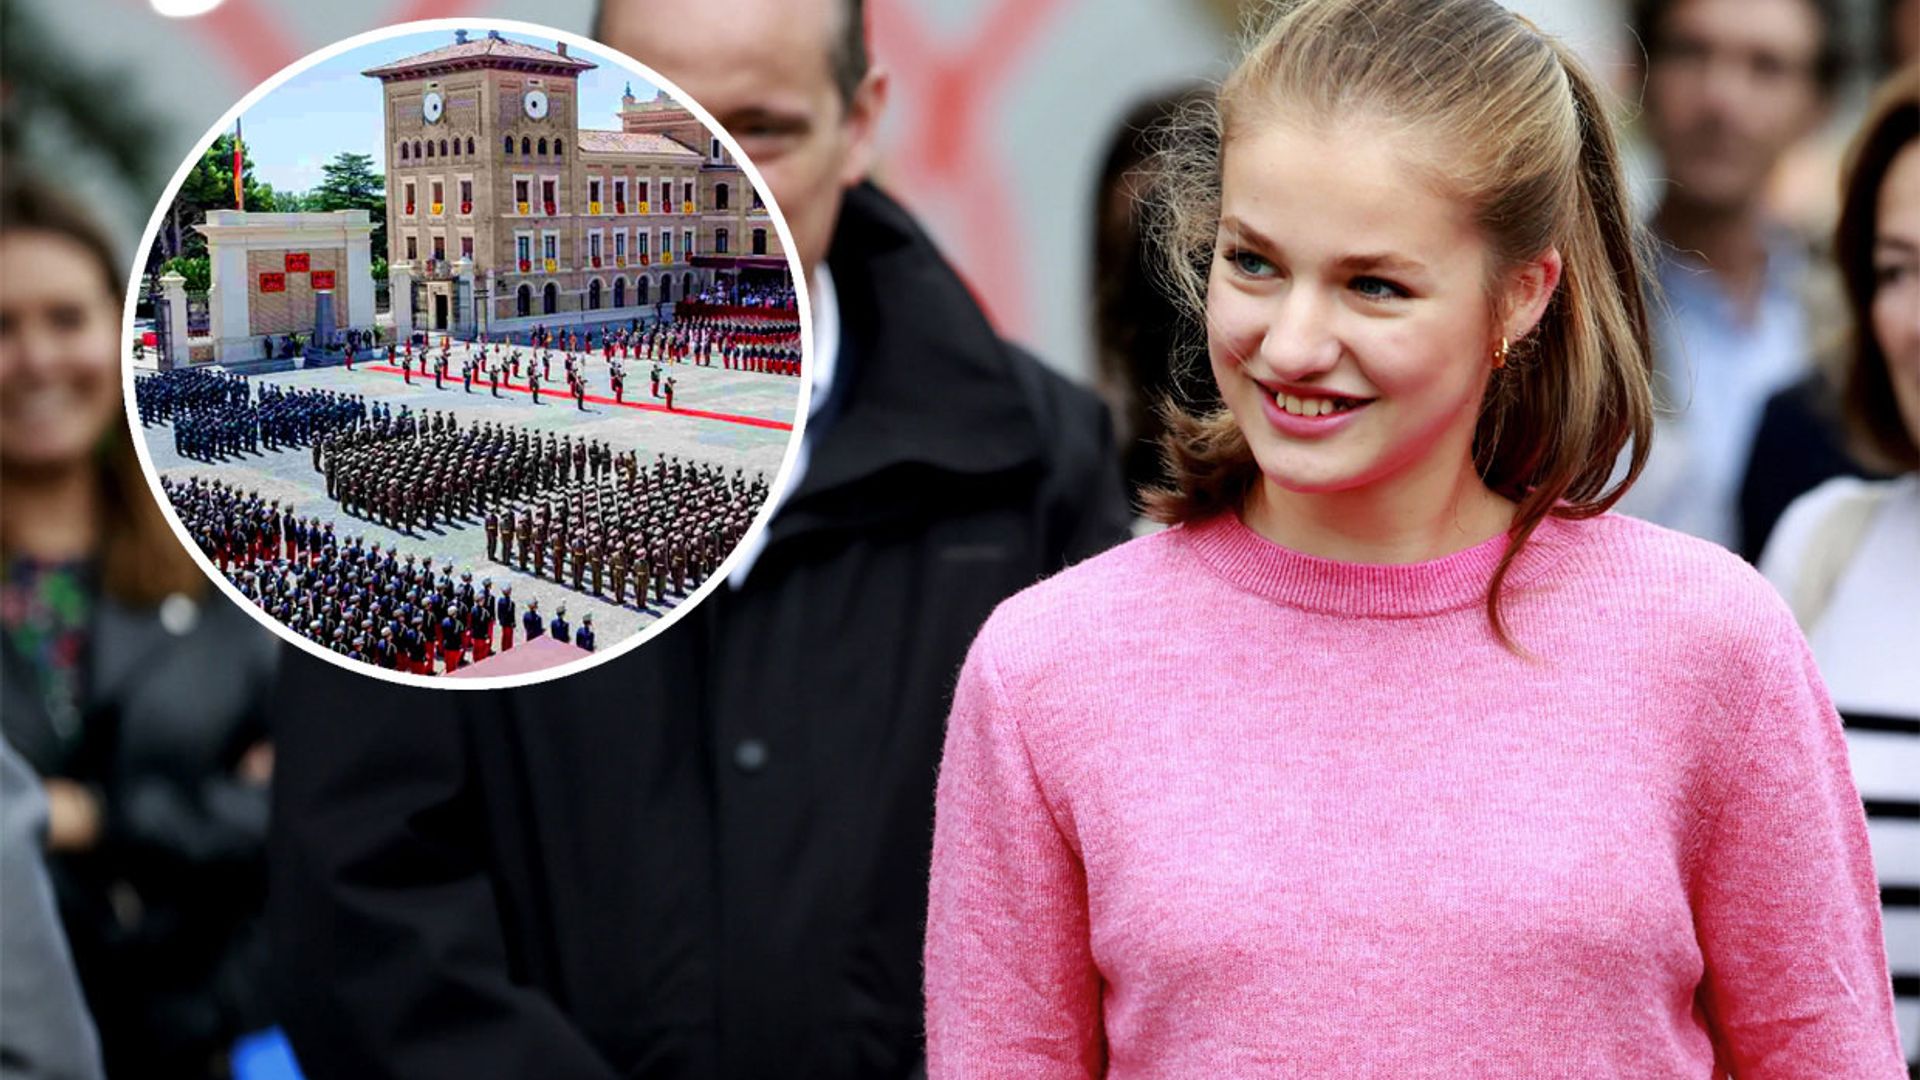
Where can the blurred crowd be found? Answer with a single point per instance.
(138, 752)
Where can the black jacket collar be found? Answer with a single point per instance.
(930, 386)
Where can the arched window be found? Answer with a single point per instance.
(526, 146)
(558, 148)
(523, 301)
(720, 239)
(443, 148)
(416, 149)
(469, 146)
(593, 294)
(640, 289)
(619, 292)
(429, 147)
(720, 196)
(508, 145)
(686, 285)
(403, 151)
(666, 287)
(759, 241)
(550, 299)
(543, 147)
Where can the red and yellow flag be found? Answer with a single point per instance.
(239, 197)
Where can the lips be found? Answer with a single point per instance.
(1309, 412)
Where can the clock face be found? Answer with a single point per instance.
(431, 106)
(537, 104)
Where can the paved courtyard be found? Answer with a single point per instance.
(732, 419)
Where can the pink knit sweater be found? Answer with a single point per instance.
(1213, 808)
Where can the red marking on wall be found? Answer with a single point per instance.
(945, 154)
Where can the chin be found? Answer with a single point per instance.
(1288, 472)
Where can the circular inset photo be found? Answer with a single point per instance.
(467, 353)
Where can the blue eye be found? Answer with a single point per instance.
(1248, 263)
(1379, 289)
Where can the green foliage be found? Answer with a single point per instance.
(197, 269)
(210, 187)
(350, 183)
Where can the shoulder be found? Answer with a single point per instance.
(1689, 598)
(1091, 610)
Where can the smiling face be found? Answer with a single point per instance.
(1348, 322)
(59, 385)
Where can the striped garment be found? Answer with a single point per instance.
(1867, 642)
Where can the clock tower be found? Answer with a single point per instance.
(463, 124)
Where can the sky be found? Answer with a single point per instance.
(331, 107)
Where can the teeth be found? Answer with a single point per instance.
(1308, 407)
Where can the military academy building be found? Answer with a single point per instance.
(502, 212)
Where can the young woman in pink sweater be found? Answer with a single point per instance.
(1397, 755)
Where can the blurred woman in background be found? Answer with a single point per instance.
(131, 687)
(1847, 554)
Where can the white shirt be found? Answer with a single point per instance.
(825, 305)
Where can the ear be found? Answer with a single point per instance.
(1531, 289)
(863, 125)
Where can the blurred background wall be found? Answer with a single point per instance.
(1001, 114)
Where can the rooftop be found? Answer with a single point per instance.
(489, 51)
(593, 141)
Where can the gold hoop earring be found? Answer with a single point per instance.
(1500, 356)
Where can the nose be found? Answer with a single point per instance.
(1300, 343)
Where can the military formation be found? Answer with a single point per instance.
(214, 414)
(640, 536)
(356, 599)
(417, 471)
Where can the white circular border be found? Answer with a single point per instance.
(748, 540)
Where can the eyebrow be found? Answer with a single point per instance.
(1358, 261)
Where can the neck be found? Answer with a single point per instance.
(1729, 239)
(51, 514)
(1425, 514)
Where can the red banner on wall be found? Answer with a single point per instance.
(297, 262)
(273, 283)
(323, 279)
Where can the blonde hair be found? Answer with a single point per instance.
(1530, 149)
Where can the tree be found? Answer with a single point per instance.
(197, 269)
(350, 183)
(209, 187)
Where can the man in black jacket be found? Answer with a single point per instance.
(707, 858)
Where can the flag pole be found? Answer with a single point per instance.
(239, 195)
